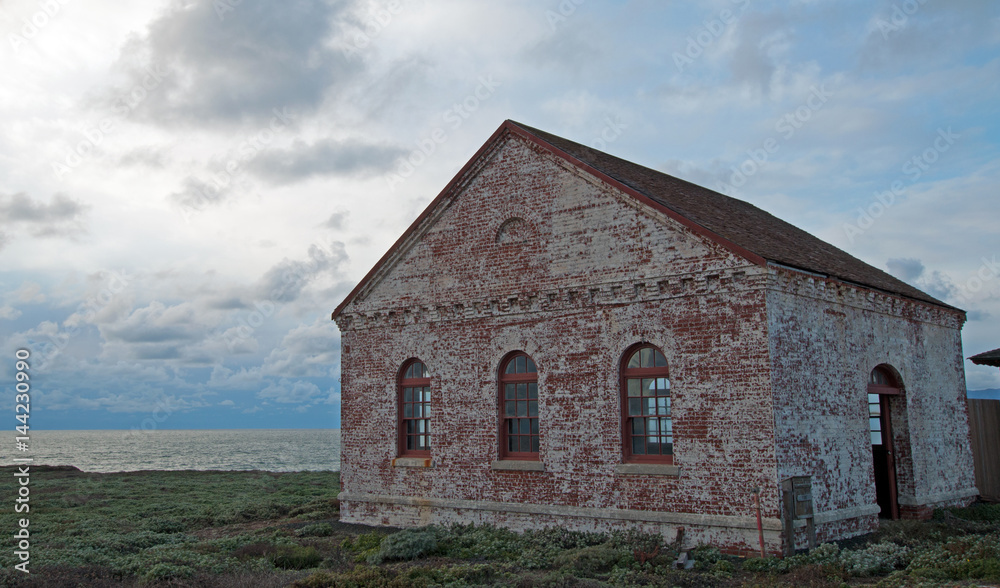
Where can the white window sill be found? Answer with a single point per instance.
(648, 469)
(412, 462)
(518, 465)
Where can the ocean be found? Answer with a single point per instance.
(274, 450)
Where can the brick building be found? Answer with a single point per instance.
(566, 338)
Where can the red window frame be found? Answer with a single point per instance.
(518, 406)
(413, 410)
(644, 368)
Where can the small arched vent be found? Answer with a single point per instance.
(513, 230)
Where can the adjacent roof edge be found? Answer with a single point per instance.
(991, 358)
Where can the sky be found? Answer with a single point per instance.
(188, 189)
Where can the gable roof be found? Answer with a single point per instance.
(748, 231)
(987, 358)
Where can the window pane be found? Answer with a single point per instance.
(510, 367)
(407, 411)
(409, 372)
(532, 391)
(638, 446)
(633, 362)
(531, 366)
(423, 371)
(647, 357)
(534, 444)
(532, 408)
(534, 426)
(638, 426)
(512, 427)
(634, 385)
(427, 394)
(634, 406)
(652, 446)
(875, 424)
(525, 444)
(658, 359)
(648, 386)
(666, 426)
(410, 442)
(662, 385)
(510, 408)
(409, 428)
(512, 444)
(668, 449)
(407, 394)
(653, 426)
(509, 391)
(663, 405)
(649, 406)
(876, 437)
(525, 426)
(519, 364)
(522, 408)
(522, 391)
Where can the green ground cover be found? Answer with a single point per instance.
(268, 529)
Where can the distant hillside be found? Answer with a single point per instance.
(992, 394)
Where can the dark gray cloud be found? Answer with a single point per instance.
(285, 281)
(202, 63)
(327, 157)
(906, 269)
(62, 217)
(336, 221)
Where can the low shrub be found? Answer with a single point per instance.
(407, 544)
(592, 560)
(294, 557)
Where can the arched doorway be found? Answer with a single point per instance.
(884, 389)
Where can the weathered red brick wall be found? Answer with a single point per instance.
(826, 338)
(584, 275)
(534, 255)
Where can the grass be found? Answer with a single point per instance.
(194, 529)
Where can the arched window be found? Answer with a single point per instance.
(647, 429)
(414, 409)
(518, 407)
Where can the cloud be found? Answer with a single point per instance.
(336, 221)
(306, 351)
(9, 313)
(327, 157)
(61, 217)
(225, 66)
(288, 392)
(905, 269)
(285, 281)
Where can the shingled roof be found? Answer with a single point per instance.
(740, 226)
(987, 358)
(739, 222)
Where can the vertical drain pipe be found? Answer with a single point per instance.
(760, 526)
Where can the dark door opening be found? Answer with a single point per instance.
(881, 389)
